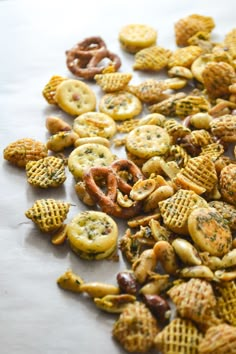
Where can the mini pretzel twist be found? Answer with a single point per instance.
(83, 59)
(108, 201)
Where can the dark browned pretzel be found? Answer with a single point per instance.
(107, 201)
(84, 58)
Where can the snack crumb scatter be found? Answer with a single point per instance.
(156, 157)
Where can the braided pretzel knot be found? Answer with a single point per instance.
(84, 58)
(107, 201)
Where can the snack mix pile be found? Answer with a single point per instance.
(175, 190)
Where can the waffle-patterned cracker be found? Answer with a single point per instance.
(24, 150)
(47, 172)
(230, 42)
(224, 128)
(184, 56)
(213, 150)
(226, 302)
(176, 209)
(219, 339)
(153, 58)
(111, 82)
(191, 105)
(186, 27)
(217, 77)
(48, 214)
(228, 184)
(198, 175)
(195, 300)
(136, 328)
(180, 336)
(49, 90)
(148, 91)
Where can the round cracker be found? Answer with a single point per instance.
(75, 97)
(147, 141)
(120, 105)
(86, 156)
(93, 124)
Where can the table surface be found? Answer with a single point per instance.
(36, 316)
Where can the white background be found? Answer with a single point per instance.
(36, 316)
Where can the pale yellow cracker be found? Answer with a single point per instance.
(154, 58)
(190, 105)
(92, 235)
(75, 97)
(46, 172)
(120, 105)
(199, 172)
(176, 209)
(86, 156)
(230, 42)
(24, 150)
(134, 37)
(147, 141)
(148, 91)
(48, 214)
(175, 338)
(184, 56)
(93, 124)
(112, 82)
(209, 231)
(49, 90)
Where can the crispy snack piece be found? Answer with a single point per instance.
(176, 209)
(46, 172)
(148, 91)
(209, 231)
(230, 42)
(224, 127)
(226, 301)
(199, 175)
(136, 328)
(48, 214)
(75, 97)
(112, 82)
(195, 300)
(184, 56)
(228, 184)
(227, 211)
(187, 27)
(214, 151)
(154, 58)
(92, 235)
(88, 155)
(190, 105)
(167, 106)
(49, 90)
(217, 77)
(24, 150)
(175, 129)
(134, 37)
(147, 141)
(120, 105)
(219, 339)
(94, 124)
(175, 338)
